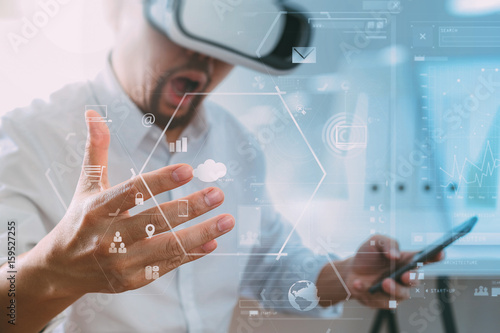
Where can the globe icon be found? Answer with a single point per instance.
(303, 295)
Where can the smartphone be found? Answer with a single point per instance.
(430, 251)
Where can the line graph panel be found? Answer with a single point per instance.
(460, 107)
(479, 180)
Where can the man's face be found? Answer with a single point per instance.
(167, 76)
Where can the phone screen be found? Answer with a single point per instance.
(431, 250)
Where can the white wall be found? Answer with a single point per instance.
(68, 46)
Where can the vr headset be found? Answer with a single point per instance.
(258, 34)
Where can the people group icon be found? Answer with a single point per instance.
(482, 291)
(117, 238)
(122, 248)
(152, 273)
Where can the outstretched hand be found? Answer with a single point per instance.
(99, 247)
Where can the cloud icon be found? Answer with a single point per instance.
(210, 171)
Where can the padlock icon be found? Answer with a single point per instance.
(139, 199)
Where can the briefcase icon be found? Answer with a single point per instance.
(304, 55)
(139, 199)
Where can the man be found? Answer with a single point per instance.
(69, 252)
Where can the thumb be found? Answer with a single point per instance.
(94, 174)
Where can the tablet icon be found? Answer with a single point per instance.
(183, 208)
(304, 55)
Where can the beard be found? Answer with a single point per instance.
(156, 100)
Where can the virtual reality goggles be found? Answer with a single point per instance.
(259, 34)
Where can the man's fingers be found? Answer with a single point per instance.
(176, 212)
(358, 285)
(388, 246)
(438, 257)
(123, 196)
(159, 268)
(94, 174)
(395, 290)
(405, 279)
(390, 291)
(204, 232)
(169, 245)
(200, 251)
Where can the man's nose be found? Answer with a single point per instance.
(202, 58)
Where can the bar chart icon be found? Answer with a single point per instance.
(179, 146)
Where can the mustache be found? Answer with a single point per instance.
(156, 94)
(163, 79)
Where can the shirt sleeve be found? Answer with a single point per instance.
(23, 223)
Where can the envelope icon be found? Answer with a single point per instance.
(304, 55)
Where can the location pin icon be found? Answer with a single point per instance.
(150, 230)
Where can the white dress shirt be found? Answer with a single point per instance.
(41, 149)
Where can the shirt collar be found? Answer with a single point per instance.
(126, 119)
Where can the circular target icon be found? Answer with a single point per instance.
(345, 136)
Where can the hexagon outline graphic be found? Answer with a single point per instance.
(316, 158)
(277, 93)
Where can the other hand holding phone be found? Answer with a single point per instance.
(430, 251)
(372, 264)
